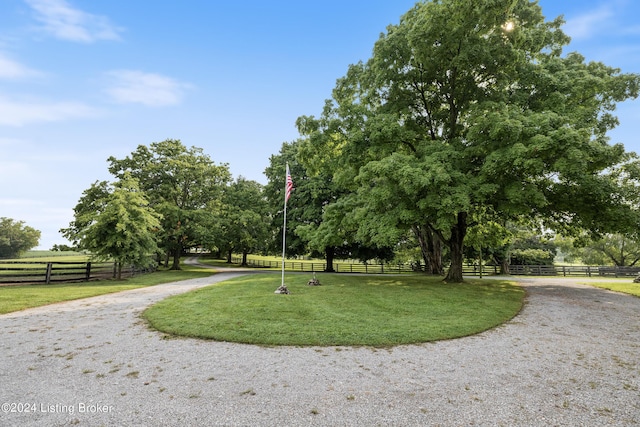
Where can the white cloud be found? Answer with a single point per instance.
(154, 90)
(589, 24)
(16, 113)
(10, 69)
(64, 22)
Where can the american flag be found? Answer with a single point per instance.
(288, 186)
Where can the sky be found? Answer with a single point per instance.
(83, 80)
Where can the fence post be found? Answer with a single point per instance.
(47, 278)
(588, 271)
(564, 272)
(87, 274)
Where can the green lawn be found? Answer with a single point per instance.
(14, 298)
(624, 285)
(345, 310)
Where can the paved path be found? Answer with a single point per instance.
(572, 357)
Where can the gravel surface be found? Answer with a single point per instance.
(570, 358)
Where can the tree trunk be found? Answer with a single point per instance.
(119, 273)
(431, 249)
(456, 242)
(504, 266)
(229, 255)
(176, 259)
(329, 253)
(244, 258)
(424, 247)
(435, 252)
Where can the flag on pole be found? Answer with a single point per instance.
(289, 185)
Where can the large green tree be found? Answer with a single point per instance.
(16, 237)
(243, 220)
(180, 184)
(115, 221)
(299, 208)
(309, 229)
(622, 250)
(469, 107)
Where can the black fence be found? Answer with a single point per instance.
(29, 272)
(574, 270)
(467, 270)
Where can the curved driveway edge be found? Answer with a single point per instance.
(572, 357)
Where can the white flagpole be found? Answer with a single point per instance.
(283, 289)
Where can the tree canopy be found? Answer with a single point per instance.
(471, 107)
(116, 222)
(180, 184)
(242, 219)
(310, 229)
(16, 237)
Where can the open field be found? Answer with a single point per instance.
(71, 256)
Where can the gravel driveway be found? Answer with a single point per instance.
(571, 358)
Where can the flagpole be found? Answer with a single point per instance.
(288, 186)
(284, 235)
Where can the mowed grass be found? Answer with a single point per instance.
(345, 310)
(627, 286)
(20, 297)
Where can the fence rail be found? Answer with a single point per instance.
(467, 270)
(574, 270)
(30, 272)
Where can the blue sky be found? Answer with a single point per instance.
(82, 80)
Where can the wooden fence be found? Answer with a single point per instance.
(28, 272)
(574, 270)
(467, 270)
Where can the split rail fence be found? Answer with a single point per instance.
(38, 272)
(468, 270)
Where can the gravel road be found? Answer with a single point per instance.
(570, 358)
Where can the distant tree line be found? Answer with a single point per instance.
(16, 238)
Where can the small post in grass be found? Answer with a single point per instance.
(288, 186)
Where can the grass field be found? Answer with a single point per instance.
(15, 298)
(345, 310)
(43, 256)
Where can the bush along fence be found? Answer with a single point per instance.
(20, 272)
(468, 270)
